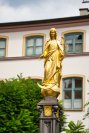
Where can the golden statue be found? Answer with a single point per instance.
(53, 55)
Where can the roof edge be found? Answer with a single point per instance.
(44, 20)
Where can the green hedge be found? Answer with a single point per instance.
(18, 103)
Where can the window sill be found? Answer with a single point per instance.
(81, 110)
(77, 54)
(19, 58)
(37, 56)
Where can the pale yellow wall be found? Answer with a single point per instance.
(72, 66)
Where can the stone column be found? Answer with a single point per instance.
(49, 115)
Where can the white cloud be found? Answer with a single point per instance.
(13, 14)
(42, 10)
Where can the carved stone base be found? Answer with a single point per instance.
(48, 108)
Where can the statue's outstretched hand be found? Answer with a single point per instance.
(44, 55)
(41, 57)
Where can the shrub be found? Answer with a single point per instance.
(62, 122)
(75, 128)
(18, 103)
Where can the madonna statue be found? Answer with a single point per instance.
(53, 55)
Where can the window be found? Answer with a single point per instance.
(72, 93)
(74, 42)
(34, 45)
(2, 47)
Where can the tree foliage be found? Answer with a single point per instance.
(62, 122)
(18, 102)
(18, 106)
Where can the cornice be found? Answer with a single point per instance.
(44, 24)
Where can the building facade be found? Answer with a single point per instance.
(21, 44)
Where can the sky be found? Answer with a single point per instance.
(27, 10)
